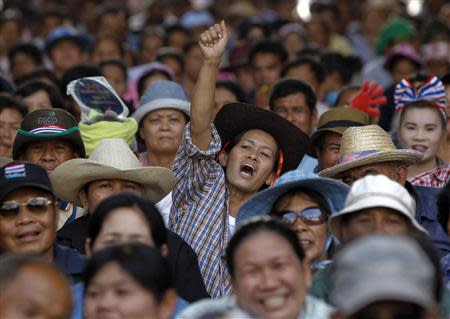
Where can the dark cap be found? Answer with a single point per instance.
(17, 175)
(45, 125)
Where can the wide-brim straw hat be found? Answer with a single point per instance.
(236, 118)
(366, 145)
(336, 120)
(111, 159)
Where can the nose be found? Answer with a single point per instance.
(164, 124)
(48, 153)
(299, 225)
(106, 302)
(24, 216)
(419, 134)
(268, 279)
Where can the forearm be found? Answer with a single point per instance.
(202, 109)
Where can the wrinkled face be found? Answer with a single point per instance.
(162, 131)
(38, 100)
(249, 165)
(223, 96)
(116, 78)
(269, 280)
(36, 292)
(376, 220)
(49, 154)
(329, 154)
(100, 189)
(294, 108)
(9, 124)
(266, 68)
(421, 130)
(124, 224)
(31, 231)
(395, 171)
(113, 293)
(66, 54)
(312, 237)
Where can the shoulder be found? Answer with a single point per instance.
(316, 309)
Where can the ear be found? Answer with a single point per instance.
(164, 250)
(83, 196)
(167, 305)
(314, 119)
(141, 133)
(402, 173)
(223, 158)
(87, 247)
(270, 179)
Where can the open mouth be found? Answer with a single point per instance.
(248, 170)
(420, 148)
(28, 236)
(274, 303)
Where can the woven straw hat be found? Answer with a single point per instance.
(111, 159)
(366, 145)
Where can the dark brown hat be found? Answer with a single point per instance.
(336, 120)
(46, 125)
(236, 118)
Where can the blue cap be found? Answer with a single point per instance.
(66, 33)
(332, 190)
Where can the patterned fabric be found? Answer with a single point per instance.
(200, 209)
(437, 177)
(433, 90)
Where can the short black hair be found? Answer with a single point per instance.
(38, 74)
(29, 49)
(314, 66)
(176, 28)
(78, 71)
(260, 225)
(143, 263)
(141, 81)
(172, 53)
(114, 62)
(10, 102)
(345, 66)
(267, 46)
(29, 88)
(286, 87)
(234, 88)
(443, 206)
(150, 213)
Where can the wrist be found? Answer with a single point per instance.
(212, 61)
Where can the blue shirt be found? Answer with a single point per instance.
(69, 261)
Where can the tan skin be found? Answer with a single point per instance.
(261, 146)
(38, 291)
(394, 170)
(329, 154)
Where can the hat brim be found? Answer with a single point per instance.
(262, 203)
(71, 136)
(179, 105)
(12, 187)
(408, 157)
(236, 118)
(320, 132)
(71, 176)
(335, 222)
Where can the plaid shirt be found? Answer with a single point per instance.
(437, 177)
(200, 209)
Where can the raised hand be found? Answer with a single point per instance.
(213, 42)
(369, 98)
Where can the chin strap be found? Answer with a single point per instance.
(321, 264)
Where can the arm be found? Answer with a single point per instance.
(212, 44)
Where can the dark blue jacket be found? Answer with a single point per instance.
(69, 261)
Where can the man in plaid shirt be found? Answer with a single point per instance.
(212, 182)
(437, 177)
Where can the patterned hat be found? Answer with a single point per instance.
(45, 125)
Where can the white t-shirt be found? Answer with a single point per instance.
(231, 225)
(164, 206)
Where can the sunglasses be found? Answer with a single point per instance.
(310, 216)
(36, 205)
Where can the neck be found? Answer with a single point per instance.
(48, 255)
(236, 199)
(163, 160)
(421, 167)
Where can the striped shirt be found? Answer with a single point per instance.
(200, 209)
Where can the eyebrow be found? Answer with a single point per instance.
(261, 145)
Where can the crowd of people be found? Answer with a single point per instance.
(200, 159)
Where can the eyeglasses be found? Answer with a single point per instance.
(310, 216)
(36, 205)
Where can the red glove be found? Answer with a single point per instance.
(369, 98)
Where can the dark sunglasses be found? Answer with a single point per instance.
(36, 205)
(310, 216)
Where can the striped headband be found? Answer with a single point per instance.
(432, 90)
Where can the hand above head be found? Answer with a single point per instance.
(369, 98)
(213, 42)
